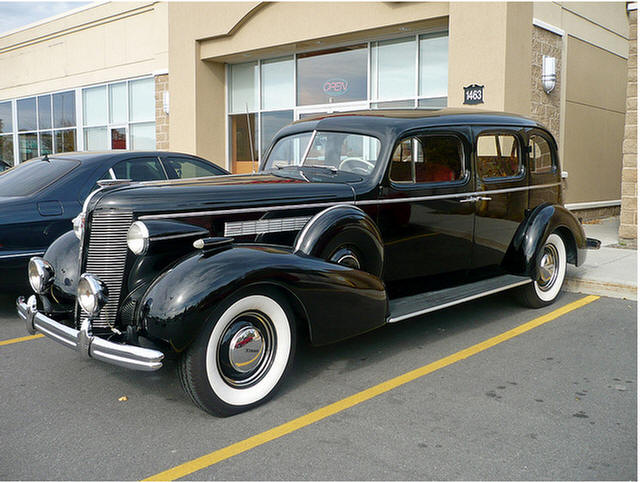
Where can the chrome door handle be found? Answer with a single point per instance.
(470, 199)
(483, 198)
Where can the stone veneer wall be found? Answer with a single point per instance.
(629, 211)
(162, 119)
(545, 108)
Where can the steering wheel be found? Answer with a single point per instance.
(366, 169)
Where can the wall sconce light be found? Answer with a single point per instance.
(165, 102)
(548, 73)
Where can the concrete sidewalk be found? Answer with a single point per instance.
(610, 271)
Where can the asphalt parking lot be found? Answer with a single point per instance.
(555, 402)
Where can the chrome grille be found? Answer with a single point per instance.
(106, 257)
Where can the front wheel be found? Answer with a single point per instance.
(243, 355)
(551, 271)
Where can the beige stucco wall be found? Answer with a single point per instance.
(594, 122)
(105, 42)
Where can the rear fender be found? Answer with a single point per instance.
(526, 246)
(338, 302)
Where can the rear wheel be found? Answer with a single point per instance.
(243, 355)
(551, 271)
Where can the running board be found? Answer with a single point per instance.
(410, 306)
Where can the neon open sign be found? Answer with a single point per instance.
(335, 87)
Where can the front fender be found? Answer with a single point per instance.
(527, 243)
(64, 256)
(338, 302)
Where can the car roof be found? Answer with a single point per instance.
(382, 122)
(101, 156)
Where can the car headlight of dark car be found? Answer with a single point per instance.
(40, 275)
(92, 294)
(138, 238)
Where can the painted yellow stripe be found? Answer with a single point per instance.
(18, 340)
(328, 410)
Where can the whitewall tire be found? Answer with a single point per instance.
(242, 356)
(550, 274)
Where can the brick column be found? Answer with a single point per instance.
(629, 211)
(162, 119)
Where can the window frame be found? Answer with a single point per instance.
(552, 149)
(523, 164)
(415, 135)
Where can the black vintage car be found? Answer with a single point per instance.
(354, 221)
(40, 197)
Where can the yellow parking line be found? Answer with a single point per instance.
(328, 410)
(18, 340)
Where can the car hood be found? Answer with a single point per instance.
(224, 192)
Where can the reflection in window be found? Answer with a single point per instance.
(270, 124)
(187, 168)
(241, 156)
(498, 155)
(434, 65)
(95, 139)
(393, 67)
(142, 169)
(65, 140)
(6, 149)
(277, 83)
(336, 75)
(244, 87)
(540, 155)
(6, 117)
(27, 114)
(64, 109)
(28, 146)
(44, 112)
(46, 143)
(143, 136)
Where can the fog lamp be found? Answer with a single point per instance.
(92, 294)
(40, 275)
(138, 238)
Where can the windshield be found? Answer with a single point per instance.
(336, 151)
(31, 176)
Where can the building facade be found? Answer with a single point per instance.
(219, 79)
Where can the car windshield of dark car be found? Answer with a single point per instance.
(31, 176)
(335, 151)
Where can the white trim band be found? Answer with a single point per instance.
(593, 204)
(550, 28)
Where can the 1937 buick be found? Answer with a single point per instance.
(354, 221)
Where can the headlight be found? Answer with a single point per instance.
(138, 238)
(78, 225)
(40, 275)
(92, 294)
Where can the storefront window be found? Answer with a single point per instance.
(6, 117)
(118, 103)
(65, 140)
(337, 75)
(44, 112)
(277, 83)
(28, 145)
(94, 105)
(243, 136)
(119, 138)
(27, 114)
(244, 87)
(64, 109)
(434, 65)
(143, 136)
(270, 124)
(46, 143)
(6, 150)
(142, 100)
(95, 139)
(393, 68)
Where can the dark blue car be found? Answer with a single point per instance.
(39, 198)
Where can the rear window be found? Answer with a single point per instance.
(31, 176)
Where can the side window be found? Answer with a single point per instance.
(540, 155)
(183, 168)
(427, 159)
(140, 169)
(498, 156)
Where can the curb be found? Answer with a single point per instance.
(601, 288)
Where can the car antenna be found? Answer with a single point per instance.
(253, 160)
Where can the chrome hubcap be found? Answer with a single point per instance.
(548, 268)
(246, 349)
(345, 257)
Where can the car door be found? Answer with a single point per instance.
(426, 230)
(503, 197)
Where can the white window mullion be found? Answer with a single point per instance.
(79, 121)
(416, 90)
(14, 121)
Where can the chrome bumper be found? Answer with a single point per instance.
(128, 356)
